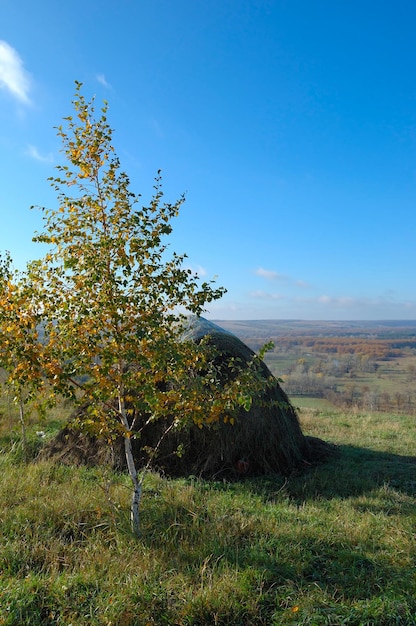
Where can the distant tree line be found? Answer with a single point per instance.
(374, 348)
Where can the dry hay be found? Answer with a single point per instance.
(267, 439)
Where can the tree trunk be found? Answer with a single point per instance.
(137, 488)
(23, 426)
(131, 466)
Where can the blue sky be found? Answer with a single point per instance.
(290, 125)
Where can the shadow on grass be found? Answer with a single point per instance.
(331, 558)
(351, 471)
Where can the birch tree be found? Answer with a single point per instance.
(112, 297)
(20, 349)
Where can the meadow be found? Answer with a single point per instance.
(334, 544)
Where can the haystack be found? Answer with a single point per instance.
(267, 439)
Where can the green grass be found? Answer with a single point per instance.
(334, 545)
(306, 402)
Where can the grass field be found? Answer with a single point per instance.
(333, 545)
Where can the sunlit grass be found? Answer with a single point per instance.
(335, 545)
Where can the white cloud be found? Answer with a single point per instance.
(302, 284)
(197, 269)
(267, 305)
(325, 299)
(13, 77)
(268, 274)
(271, 275)
(351, 307)
(34, 153)
(220, 309)
(102, 79)
(349, 302)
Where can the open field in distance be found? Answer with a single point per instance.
(370, 365)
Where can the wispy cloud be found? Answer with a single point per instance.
(325, 306)
(13, 76)
(103, 81)
(34, 153)
(272, 305)
(197, 269)
(376, 307)
(349, 302)
(268, 274)
(157, 129)
(273, 276)
(302, 284)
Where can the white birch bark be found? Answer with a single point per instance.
(131, 466)
(137, 488)
(23, 425)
